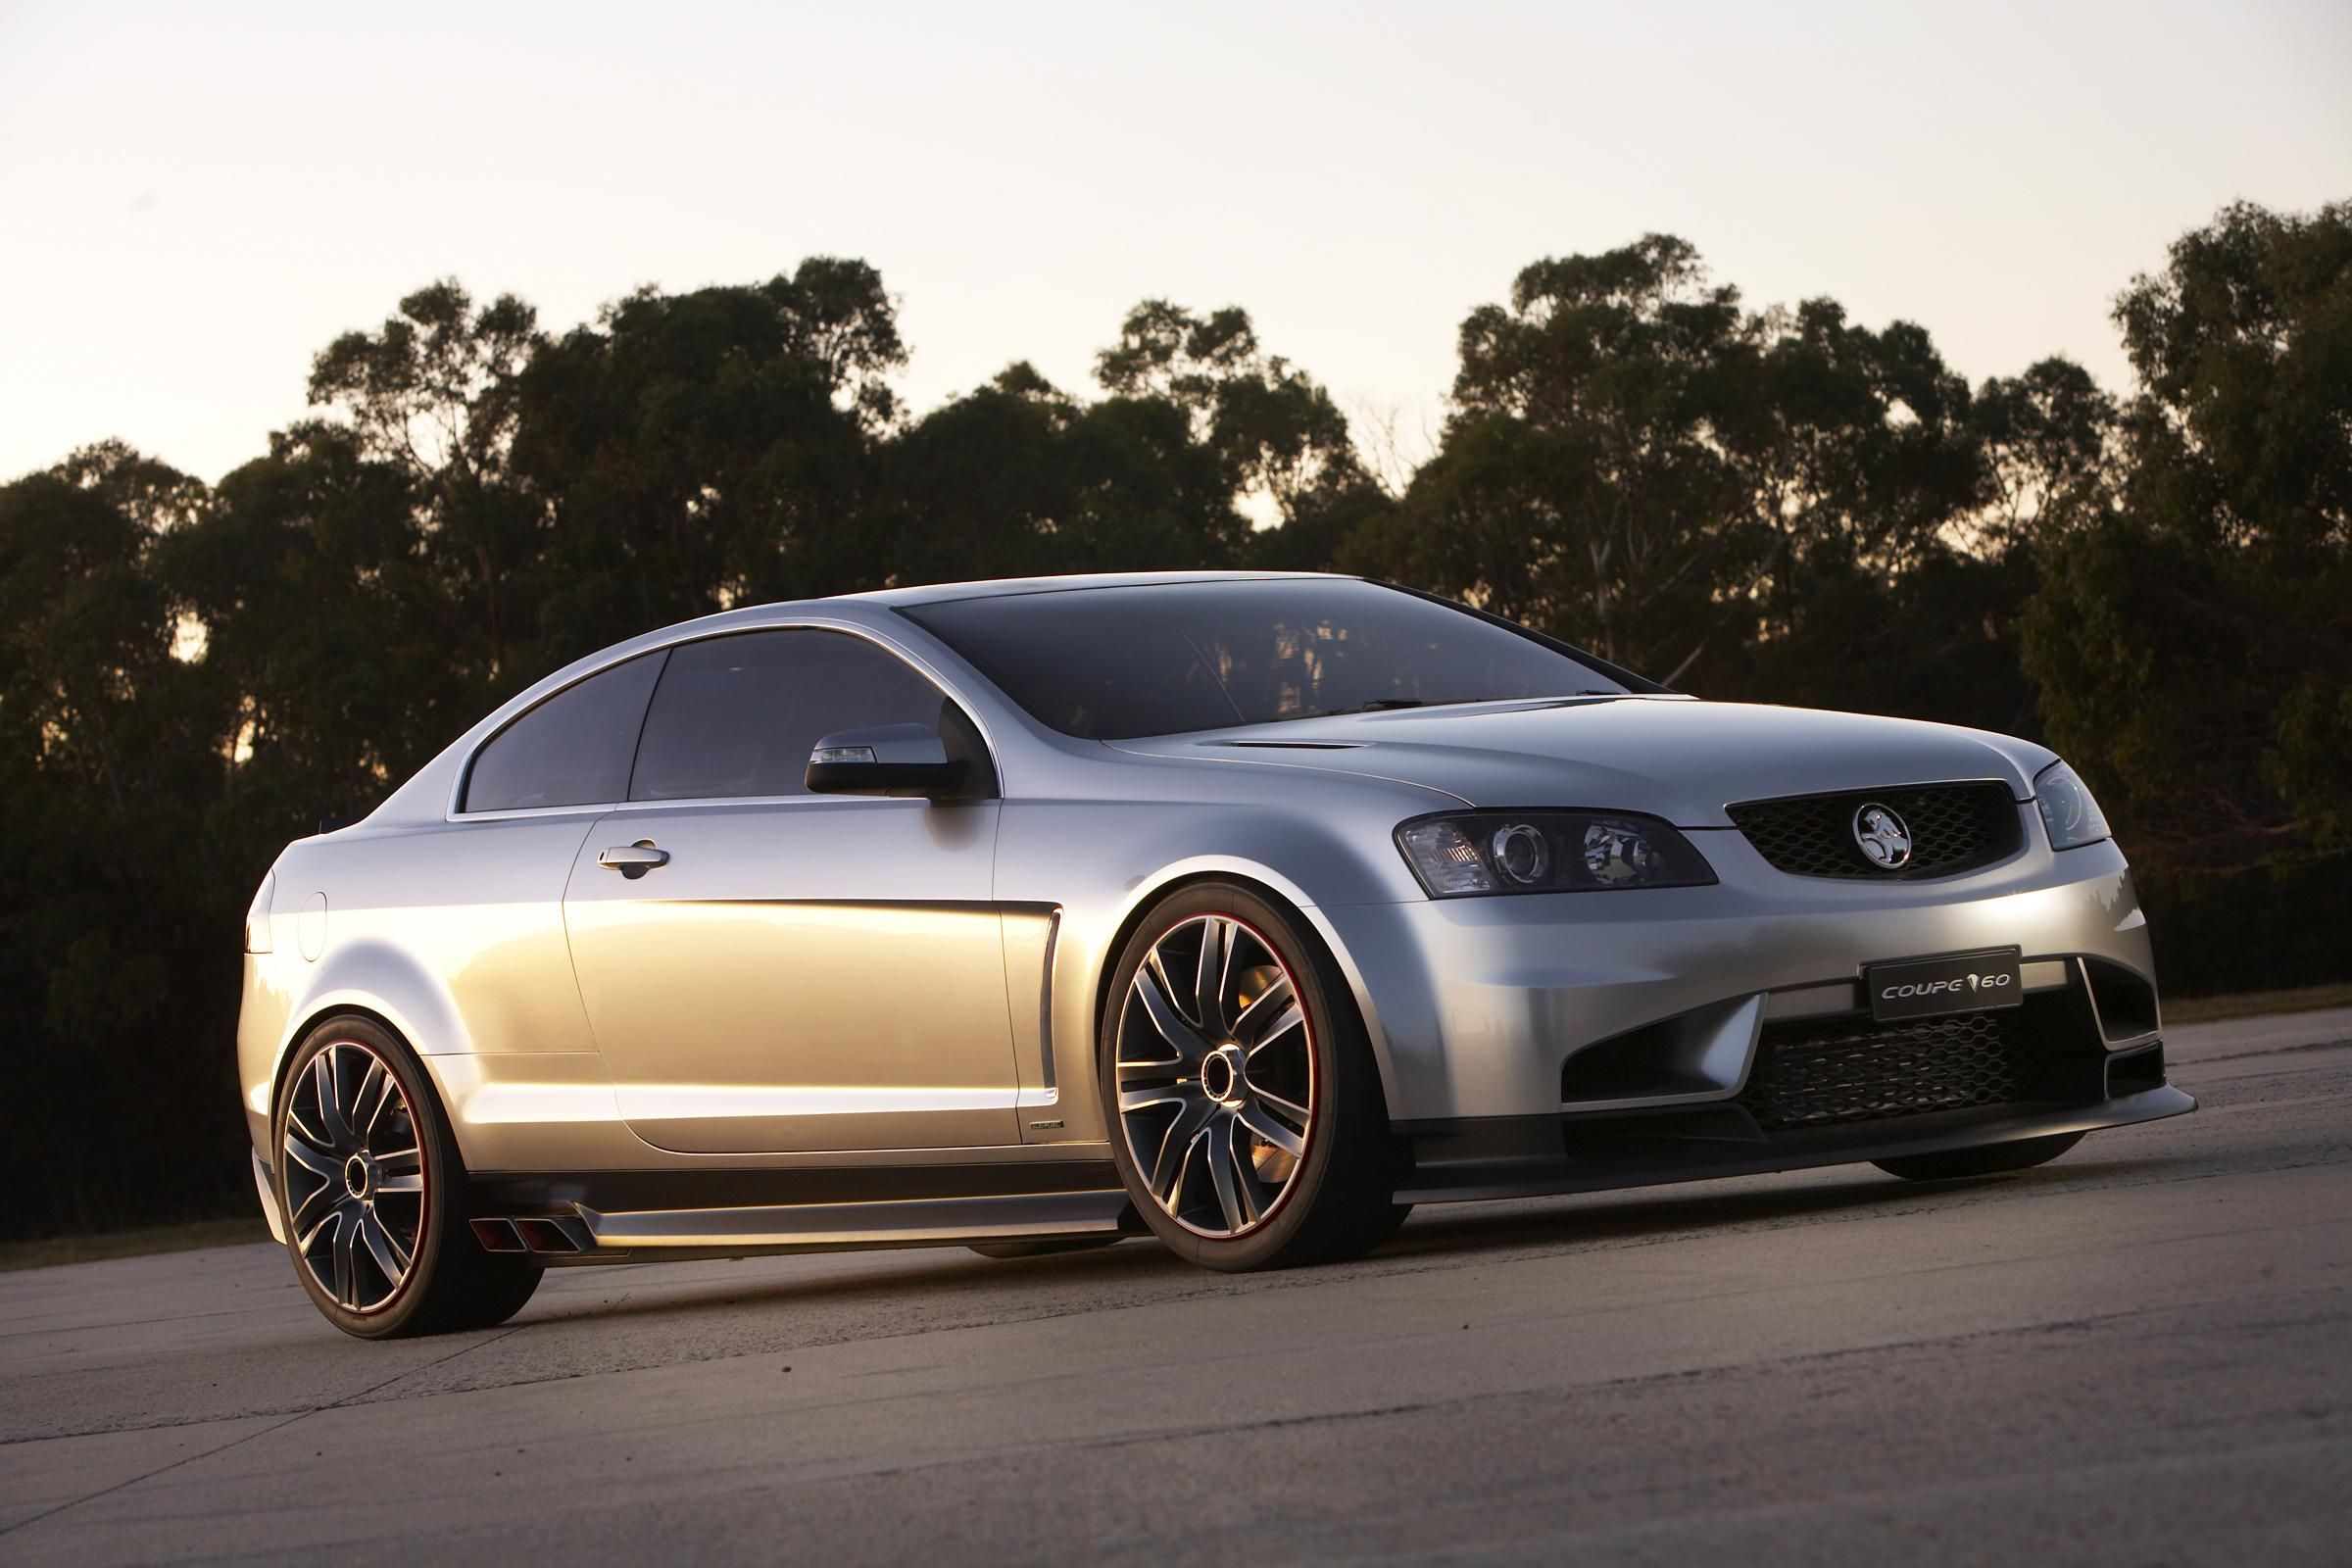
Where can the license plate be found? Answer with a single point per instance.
(1957, 982)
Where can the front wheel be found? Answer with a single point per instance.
(1987, 1159)
(1248, 1122)
(371, 1191)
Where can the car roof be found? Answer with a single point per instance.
(1009, 587)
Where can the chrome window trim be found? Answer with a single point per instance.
(922, 667)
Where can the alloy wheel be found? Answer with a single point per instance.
(353, 1174)
(1216, 1076)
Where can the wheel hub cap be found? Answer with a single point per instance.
(1223, 1077)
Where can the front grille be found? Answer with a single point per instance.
(1954, 827)
(1823, 1073)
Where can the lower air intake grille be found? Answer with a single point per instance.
(1954, 828)
(1811, 1074)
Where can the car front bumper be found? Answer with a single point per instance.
(1477, 1005)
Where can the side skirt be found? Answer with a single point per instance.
(645, 1216)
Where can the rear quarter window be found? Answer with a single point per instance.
(573, 749)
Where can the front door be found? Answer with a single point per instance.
(798, 972)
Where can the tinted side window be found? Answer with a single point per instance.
(572, 750)
(739, 715)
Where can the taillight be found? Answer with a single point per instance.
(256, 917)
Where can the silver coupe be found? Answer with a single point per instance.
(1241, 910)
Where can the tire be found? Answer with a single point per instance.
(1987, 1159)
(1076, 1244)
(374, 1179)
(1251, 1140)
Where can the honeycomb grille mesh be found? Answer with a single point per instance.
(1954, 827)
(1825, 1073)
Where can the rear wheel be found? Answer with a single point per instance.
(373, 1194)
(1988, 1160)
(1249, 1123)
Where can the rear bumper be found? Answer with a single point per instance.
(1525, 1156)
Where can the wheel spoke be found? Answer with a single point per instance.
(317, 1162)
(1208, 976)
(310, 1134)
(1237, 1190)
(1175, 1148)
(400, 1159)
(390, 1255)
(1270, 1129)
(413, 1182)
(1180, 1036)
(1135, 1100)
(1296, 1113)
(1267, 1016)
(1279, 1030)
(330, 1102)
(321, 1201)
(368, 1100)
(346, 1244)
(306, 1240)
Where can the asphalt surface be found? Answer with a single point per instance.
(2140, 1354)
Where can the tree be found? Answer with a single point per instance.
(2052, 462)
(2195, 649)
(108, 896)
(1018, 478)
(431, 393)
(695, 451)
(1638, 465)
(1273, 427)
(328, 624)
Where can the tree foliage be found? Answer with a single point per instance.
(2195, 645)
(1776, 503)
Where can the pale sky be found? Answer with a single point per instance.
(195, 198)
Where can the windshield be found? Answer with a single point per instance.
(1112, 664)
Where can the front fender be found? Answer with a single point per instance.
(1101, 865)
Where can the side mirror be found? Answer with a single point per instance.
(905, 761)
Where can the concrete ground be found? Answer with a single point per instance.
(2141, 1354)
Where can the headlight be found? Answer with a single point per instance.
(1464, 853)
(2068, 811)
(256, 917)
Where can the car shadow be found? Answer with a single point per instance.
(1139, 1271)
(1660, 1214)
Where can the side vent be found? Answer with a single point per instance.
(2131, 1072)
(2126, 1003)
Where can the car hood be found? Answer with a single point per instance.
(1670, 756)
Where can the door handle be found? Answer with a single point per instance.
(633, 860)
